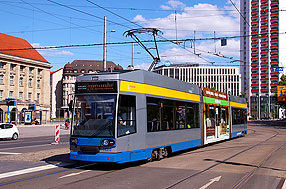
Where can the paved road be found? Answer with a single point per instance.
(254, 161)
(39, 130)
(26, 145)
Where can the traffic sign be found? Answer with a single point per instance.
(11, 102)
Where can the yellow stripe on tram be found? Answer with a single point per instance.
(238, 105)
(128, 86)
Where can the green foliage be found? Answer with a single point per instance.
(213, 88)
(243, 95)
(283, 80)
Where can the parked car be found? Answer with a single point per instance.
(8, 130)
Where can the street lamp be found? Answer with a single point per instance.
(104, 44)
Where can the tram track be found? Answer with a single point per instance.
(244, 178)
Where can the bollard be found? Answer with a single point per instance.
(57, 134)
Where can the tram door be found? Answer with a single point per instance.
(221, 122)
(217, 122)
(210, 121)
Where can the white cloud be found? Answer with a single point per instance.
(175, 3)
(204, 19)
(180, 55)
(143, 66)
(165, 7)
(51, 51)
(64, 53)
(139, 18)
(201, 17)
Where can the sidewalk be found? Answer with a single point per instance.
(270, 122)
(48, 124)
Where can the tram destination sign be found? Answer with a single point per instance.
(215, 94)
(96, 87)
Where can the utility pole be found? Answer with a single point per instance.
(104, 45)
(133, 55)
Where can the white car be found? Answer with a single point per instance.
(8, 130)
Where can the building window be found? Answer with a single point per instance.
(22, 68)
(29, 96)
(39, 71)
(11, 80)
(38, 97)
(38, 83)
(21, 95)
(21, 81)
(1, 95)
(2, 65)
(10, 94)
(30, 83)
(30, 70)
(1, 79)
(12, 66)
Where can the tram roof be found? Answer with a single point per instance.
(237, 99)
(141, 76)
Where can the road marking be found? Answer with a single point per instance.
(210, 182)
(284, 185)
(30, 146)
(29, 170)
(9, 153)
(74, 174)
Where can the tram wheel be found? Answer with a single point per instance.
(154, 156)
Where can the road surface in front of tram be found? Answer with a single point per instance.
(256, 160)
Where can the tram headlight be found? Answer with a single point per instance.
(108, 142)
(105, 142)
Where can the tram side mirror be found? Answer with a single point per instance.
(70, 105)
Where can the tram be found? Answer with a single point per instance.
(126, 116)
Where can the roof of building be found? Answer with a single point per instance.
(87, 65)
(56, 71)
(11, 42)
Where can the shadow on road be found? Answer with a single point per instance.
(243, 164)
(63, 160)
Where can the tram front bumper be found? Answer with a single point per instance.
(100, 157)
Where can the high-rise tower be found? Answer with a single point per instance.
(264, 55)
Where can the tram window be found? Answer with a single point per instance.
(239, 116)
(180, 117)
(192, 116)
(153, 115)
(126, 118)
(164, 115)
(167, 118)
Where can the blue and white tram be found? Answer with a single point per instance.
(133, 115)
(127, 116)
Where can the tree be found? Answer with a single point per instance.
(213, 88)
(243, 95)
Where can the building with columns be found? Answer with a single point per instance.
(223, 79)
(25, 77)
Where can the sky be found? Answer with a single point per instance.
(55, 23)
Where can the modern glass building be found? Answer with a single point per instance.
(222, 79)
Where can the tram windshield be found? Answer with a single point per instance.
(94, 115)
